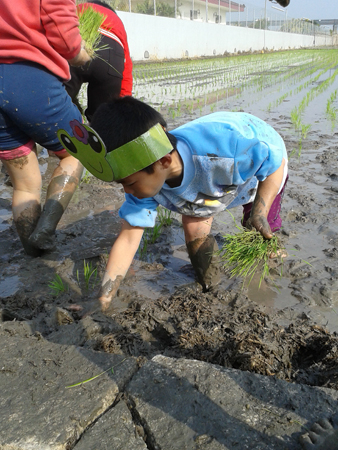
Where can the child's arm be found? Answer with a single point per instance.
(120, 258)
(266, 194)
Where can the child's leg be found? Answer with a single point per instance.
(25, 175)
(274, 219)
(61, 188)
(202, 248)
(53, 110)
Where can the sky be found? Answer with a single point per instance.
(309, 9)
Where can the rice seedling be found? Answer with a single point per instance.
(58, 286)
(246, 252)
(86, 177)
(88, 272)
(164, 216)
(143, 248)
(305, 129)
(150, 236)
(110, 369)
(89, 24)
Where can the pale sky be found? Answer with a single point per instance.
(309, 9)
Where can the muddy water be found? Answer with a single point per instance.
(161, 308)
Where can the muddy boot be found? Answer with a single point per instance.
(205, 261)
(25, 223)
(43, 236)
(59, 193)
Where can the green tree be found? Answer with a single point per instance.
(260, 24)
(145, 8)
(165, 10)
(162, 9)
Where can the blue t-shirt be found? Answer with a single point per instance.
(224, 156)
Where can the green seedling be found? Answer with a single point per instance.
(245, 252)
(305, 129)
(110, 369)
(89, 271)
(143, 247)
(150, 236)
(58, 286)
(164, 216)
(154, 232)
(86, 177)
(89, 24)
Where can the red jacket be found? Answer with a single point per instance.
(114, 28)
(42, 31)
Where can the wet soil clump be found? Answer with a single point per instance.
(225, 328)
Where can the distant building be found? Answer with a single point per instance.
(213, 11)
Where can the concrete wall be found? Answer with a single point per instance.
(160, 38)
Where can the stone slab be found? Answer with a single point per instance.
(191, 405)
(37, 411)
(115, 430)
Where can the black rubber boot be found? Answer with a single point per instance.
(203, 254)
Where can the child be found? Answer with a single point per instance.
(208, 165)
(110, 74)
(38, 41)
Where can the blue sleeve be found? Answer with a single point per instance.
(256, 158)
(139, 212)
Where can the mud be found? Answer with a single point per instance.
(287, 327)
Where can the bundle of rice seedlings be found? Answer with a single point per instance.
(247, 251)
(89, 24)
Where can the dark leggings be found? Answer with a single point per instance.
(103, 75)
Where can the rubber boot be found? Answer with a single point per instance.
(43, 236)
(60, 191)
(205, 261)
(25, 224)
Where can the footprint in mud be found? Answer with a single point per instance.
(323, 435)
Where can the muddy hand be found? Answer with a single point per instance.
(84, 310)
(261, 224)
(205, 261)
(108, 291)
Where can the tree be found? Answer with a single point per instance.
(260, 24)
(162, 9)
(145, 8)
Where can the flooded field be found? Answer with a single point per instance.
(267, 329)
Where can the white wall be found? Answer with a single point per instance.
(167, 38)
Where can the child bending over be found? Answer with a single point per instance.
(214, 163)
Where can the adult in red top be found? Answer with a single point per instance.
(110, 74)
(38, 41)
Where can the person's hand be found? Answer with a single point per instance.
(81, 58)
(261, 224)
(108, 291)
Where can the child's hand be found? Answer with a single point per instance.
(81, 58)
(108, 291)
(261, 224)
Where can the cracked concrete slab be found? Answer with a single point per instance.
(115, 430)
(191, 405)
(37, 410)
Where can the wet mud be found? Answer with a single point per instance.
(286, 328)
